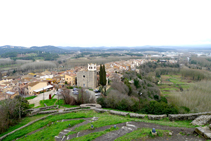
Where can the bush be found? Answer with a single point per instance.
(163, 99)
(101, 101)
(70, 87)
(11, 110)
(136, 83)
(158, 108)
(85, 97)
(67, 98)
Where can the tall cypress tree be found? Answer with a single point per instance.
(101, 74)
(104, 75)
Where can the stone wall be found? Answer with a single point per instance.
(35, 111)
(174, 117)
(156, 117)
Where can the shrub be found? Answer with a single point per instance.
(101, 101)
(154, 107)
(136, 83)
(156, 97)
(121, 87)
(11, 110)
(163, 99)
(85, 97)
(70, 87)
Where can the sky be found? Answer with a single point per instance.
(92, 23)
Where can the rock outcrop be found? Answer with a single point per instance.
(203, 131)
(202, 120)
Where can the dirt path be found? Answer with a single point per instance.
(62, 137)
(85, 132)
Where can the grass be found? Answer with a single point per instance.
(167, 122)
(107, 119)
(23, 122)
(104, 120)
(48, 133)
(49, 102)
(44, 122)
(30, 97)
(141, 134)
(176, 83)
(69, 106)
(93, 136)
(53, 96)
(61, 103)
(31, 105)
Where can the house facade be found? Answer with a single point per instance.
(36, 85)
(70, 79)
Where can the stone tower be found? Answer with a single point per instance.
(88, 79)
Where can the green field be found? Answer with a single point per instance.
(171, 83)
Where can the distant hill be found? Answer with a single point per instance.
(51, 49)
(20, 49)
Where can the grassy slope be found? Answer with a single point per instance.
(48, 133)
(93, 136)
(61, 103)
(48, 102)
(104, 120)
(107, 119)
(140, 134)
(44, 122)
(24, 121)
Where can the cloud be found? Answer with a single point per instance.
(104, 23)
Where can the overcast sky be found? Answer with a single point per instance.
(104, 23)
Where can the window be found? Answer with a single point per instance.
(83, 85)
(83, 76)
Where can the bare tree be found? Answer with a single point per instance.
(85, 97)
(68, 99)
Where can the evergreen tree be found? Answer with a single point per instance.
(104, 76)
(0, 76)
(101, 75)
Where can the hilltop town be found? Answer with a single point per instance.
(34, 83)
